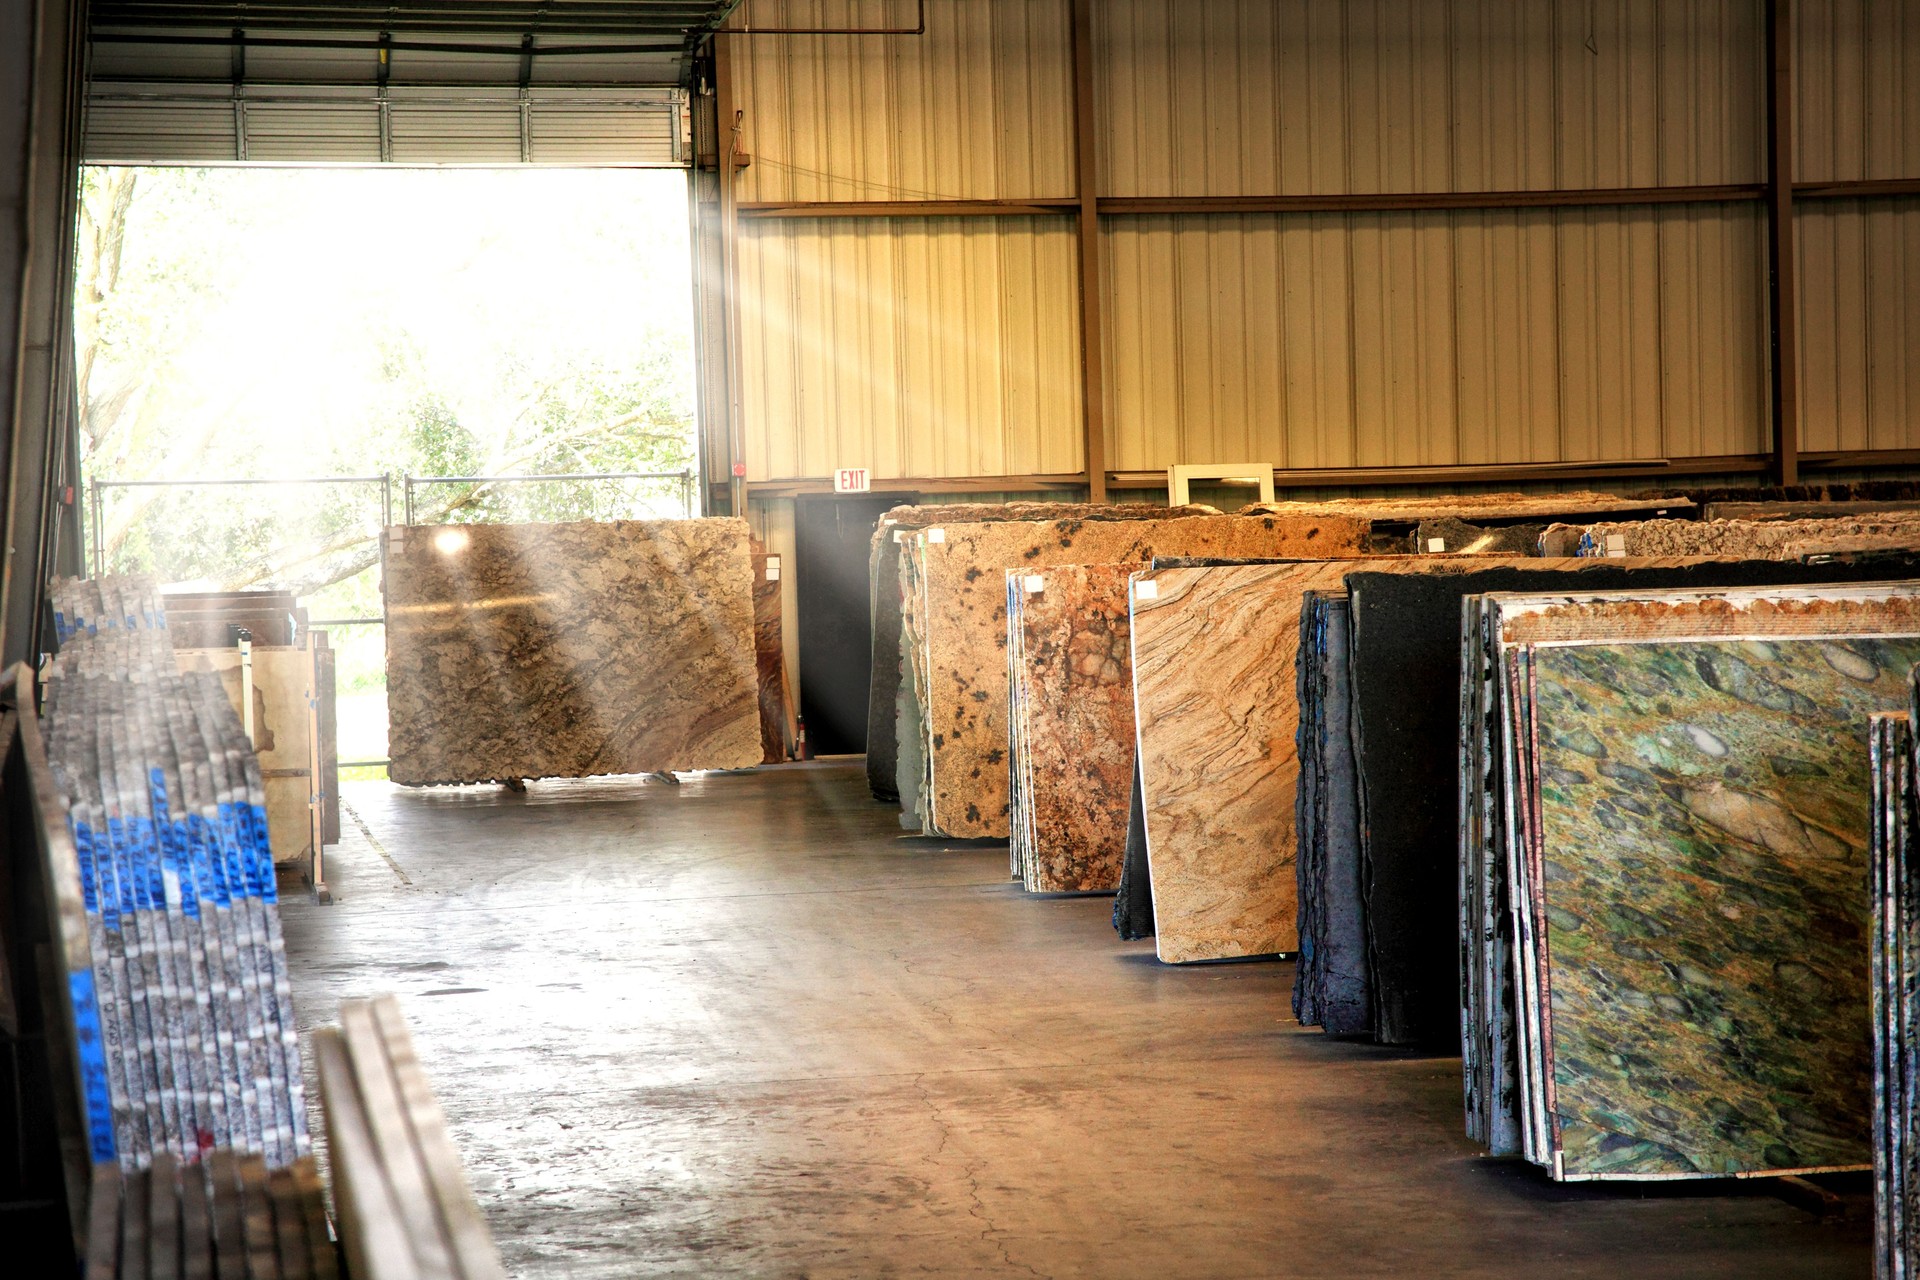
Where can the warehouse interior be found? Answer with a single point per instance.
(1287, 648)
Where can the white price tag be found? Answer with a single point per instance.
(1617, 545)
(1436, 544)
(1146, 589)
(936, 535)
(773, 568)
(1035, 584)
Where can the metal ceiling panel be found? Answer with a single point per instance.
(477, 82)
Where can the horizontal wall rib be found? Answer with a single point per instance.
(1395, 202)
(1534, 473)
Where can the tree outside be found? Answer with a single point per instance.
(303, 323)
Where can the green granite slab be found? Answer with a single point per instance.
(1700, 856)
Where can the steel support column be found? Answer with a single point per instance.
(1782, 299)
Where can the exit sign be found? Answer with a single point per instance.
(852, 480)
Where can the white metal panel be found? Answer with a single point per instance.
(912, 347)
(1859, 264)
(1333, 340)
(980, 107)
(1856, 89)
(340, 124)
(1259, 97)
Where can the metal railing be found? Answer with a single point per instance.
(409, 483)
(97, 489)
(96, 500)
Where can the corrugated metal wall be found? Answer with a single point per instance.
(947, 347)
(911, 346)
(980, 107)
(1405, 339)
(1856, 89)
(1297, 97)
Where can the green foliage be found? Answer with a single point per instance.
(206, 352)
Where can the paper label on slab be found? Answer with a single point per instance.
(1617, 545)
(1146, 590)
(1436, 544)
(1035, 584)
(773, 568)
(936, 535)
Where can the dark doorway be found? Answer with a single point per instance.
(831, 538)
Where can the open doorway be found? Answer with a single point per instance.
(422, 340)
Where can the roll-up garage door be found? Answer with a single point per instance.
(434, 82)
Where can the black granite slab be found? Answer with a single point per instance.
(1133, 903)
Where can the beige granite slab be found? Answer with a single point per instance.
(1071, 719)
(569, 650)
(956, 620)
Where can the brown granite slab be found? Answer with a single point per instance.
(886, 583)
(1071, 663)
(957, 573)
(569, 650)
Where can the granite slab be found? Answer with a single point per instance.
(1702, 831)
(569, 650)
(1216, 716)
(1753, 539)
(1072, 738)
(955, 619)
(1133, 901)
(769, 657)
(1331, 987)
(1894, 983)
(1499, 943)
(885, 585)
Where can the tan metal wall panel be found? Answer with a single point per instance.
(913, 347)
(1260, 97)
(1335, 340)
(980, 107)
(1856, 89)
(1859, 264)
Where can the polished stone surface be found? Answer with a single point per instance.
(737, 1028)
(567, 650)
(885, 585)
(1213, 661)
(1702, 832)
(956, 614)
(1758, 539)
(1073, 737)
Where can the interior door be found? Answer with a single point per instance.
(831, 537)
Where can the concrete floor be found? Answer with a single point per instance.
(741, 1028)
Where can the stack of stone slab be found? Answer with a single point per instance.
(569, 650)
(1748, 539)
(1666, 945)
(196, 1047)
(889, 687)
(954, 628)
(1895, 980)
(1400, 675)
